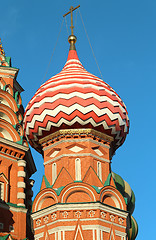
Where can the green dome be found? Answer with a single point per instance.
(124, 188)
(133, 231)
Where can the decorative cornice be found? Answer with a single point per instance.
(80, 206)
(13, 144)
(79, 132)
(9, 70)
(14, 208)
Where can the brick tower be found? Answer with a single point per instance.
(77, 121)
(16, 162)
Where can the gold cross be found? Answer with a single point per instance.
(71, 11)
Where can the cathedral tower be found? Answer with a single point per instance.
(77, 121)
(16, 162)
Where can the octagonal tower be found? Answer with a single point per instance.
(77, 121)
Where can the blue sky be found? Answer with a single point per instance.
(123, 37)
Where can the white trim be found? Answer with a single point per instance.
(98, 234)
(14, 209)
(76, 141)
(99, 170)
(2, 190)
(50, 193)
(21, 185)
(120, 234)
(59, 235)
(6, 157)
(39, 235)
(77, 155)
(93, 234)
(84, 227)
(13, 144)
(80, 206)
(116, 200)
(103, 220)
(101, 233)
(21, 174)
(21, 163)
(9, 70)
(65, 228)
(78, 230)
(21, 195)
(21, 204)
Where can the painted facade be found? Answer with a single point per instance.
(16, 162)
(77, 121)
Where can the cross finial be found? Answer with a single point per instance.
(71, 12)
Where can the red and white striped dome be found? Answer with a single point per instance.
(75, 98)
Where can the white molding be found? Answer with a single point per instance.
(85, 227)
(21, 204)
(103, 220)
(14, 209)
(101, 234)
(99, 170)
(9, 70)
(116, 200)
(2, 193)
(76, 141)
(21, 174)
(65, 228)
(80, 206)
(21, 163)
(5, 156)
(13, 144)
(39, 235)
(50, 192)
(93, 234)
(78, 155)
(21, 195)
(120, 234)
(21, 185)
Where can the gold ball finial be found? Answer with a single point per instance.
(72, 40)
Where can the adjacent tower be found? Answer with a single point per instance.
(16, 162)
(77, 121)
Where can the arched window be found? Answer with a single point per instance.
(77, 169)
(54, 172)
(1, 191)
(99, 173)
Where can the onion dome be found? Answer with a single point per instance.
(133, 231)
(124, 188)
(75, 98)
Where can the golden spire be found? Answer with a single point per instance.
(1, 49)
(72, 38)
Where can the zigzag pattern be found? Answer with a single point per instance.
(72, 98)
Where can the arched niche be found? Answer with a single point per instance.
(79, 193)
(45, 198)
(112, 197)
